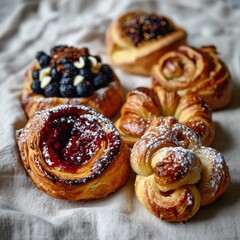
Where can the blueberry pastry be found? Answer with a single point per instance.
(73, 153)
(71, 76)
(137, 39)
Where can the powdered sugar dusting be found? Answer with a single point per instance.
(176, 162)
(92, 126)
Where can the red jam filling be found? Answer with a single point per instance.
(69, 142)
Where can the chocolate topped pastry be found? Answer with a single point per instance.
(144, 27)
(137, 39)
(69, 75)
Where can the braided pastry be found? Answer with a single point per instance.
(197, 72)
(73, 152)
(71, 76)
(145, 105)
(137, 39)
(175, 174)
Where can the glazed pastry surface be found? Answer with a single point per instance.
(73, 153)
(71, 76)
(144, 105)
(175, 173)
(197, 72)
(137, 39)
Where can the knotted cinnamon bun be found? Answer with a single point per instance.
(71, 76)
(137, 39)
(73, 152)
(175, 174)
(145, 105)
(197, 72)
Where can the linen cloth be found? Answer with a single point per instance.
(28, 213)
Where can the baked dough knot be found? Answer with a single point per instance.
(175, 173)
(199, 72)
(73, 153)
(144, 105)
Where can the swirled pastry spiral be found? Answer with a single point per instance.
(71, 76)
(197, 72)
(137, 39)
(145, 105)
(175, 174)
(73, 152)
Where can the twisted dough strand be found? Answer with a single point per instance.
(197, 72)
(175, 173)
(145, 105)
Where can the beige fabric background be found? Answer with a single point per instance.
(28, 213)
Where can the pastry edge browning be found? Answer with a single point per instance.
(215, 88)
(214, 181)
(189, 110)
(139, 60)
(101, 185)
(181, 205)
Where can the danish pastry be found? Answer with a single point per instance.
(175, 173)
(197, 72)
(145, 105)
(73, 152)
(137, 39)
(71, 76)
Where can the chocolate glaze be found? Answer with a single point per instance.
(144, 27)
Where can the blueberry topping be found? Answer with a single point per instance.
(58, 46)
(70, 67)
(107, 71)
(87, 62)
(67, 91)
(68, 75)
(87, 74)
(66, 81)
(40, 54)
(55, 75)
(44, 61)
(35, 75)
(100, 81)
(35, 86)
(64, 60)
(52, 90)
(84, 89)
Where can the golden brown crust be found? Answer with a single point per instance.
(145, 105)
(215, 175)
(139, 59)
(105, 100)
(106, 171)
(197, 72)
(175, 174)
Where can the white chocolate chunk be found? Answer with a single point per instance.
(78, 79)
(46, 80)
(93, 61)
(44, 72)
(79, 64)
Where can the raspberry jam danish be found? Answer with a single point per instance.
(73, 153)
(176, 175)
(71, 76)
(197, 72)
(137, 39)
